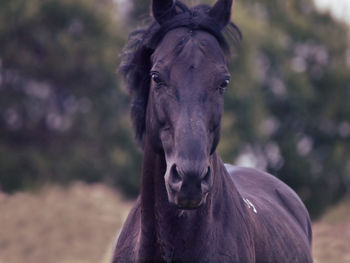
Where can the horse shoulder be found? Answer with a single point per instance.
(253, 183)
(280, 217)
(126, 243)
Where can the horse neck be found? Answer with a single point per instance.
(152, 186)
(162, 222)
(153, 195)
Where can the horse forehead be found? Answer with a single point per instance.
(182, 46)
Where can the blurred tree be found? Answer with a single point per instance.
(62, 116)
(140, 11)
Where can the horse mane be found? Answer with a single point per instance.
(136, 56)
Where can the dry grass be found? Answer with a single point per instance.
(74, 225)
(332, 235)
(78, 225)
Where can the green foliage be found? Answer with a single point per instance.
(62, 111)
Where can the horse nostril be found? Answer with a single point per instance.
(175, 179)
(175, 175)
(206, 177)
(206, 181)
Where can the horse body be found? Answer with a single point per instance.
(193, 208)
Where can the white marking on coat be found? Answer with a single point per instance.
(250, 205)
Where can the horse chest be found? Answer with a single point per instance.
(204, 243)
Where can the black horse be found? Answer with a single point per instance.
(192, 207)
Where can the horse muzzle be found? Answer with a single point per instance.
(188, 188)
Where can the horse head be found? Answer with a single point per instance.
(189, 75)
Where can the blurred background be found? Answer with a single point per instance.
(69, 166)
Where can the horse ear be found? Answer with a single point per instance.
(163, 10)
(221, 12)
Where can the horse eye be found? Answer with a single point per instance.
(225, 83)
(223, 86)
(156, 78)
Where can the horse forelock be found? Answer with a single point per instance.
(136, 57)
